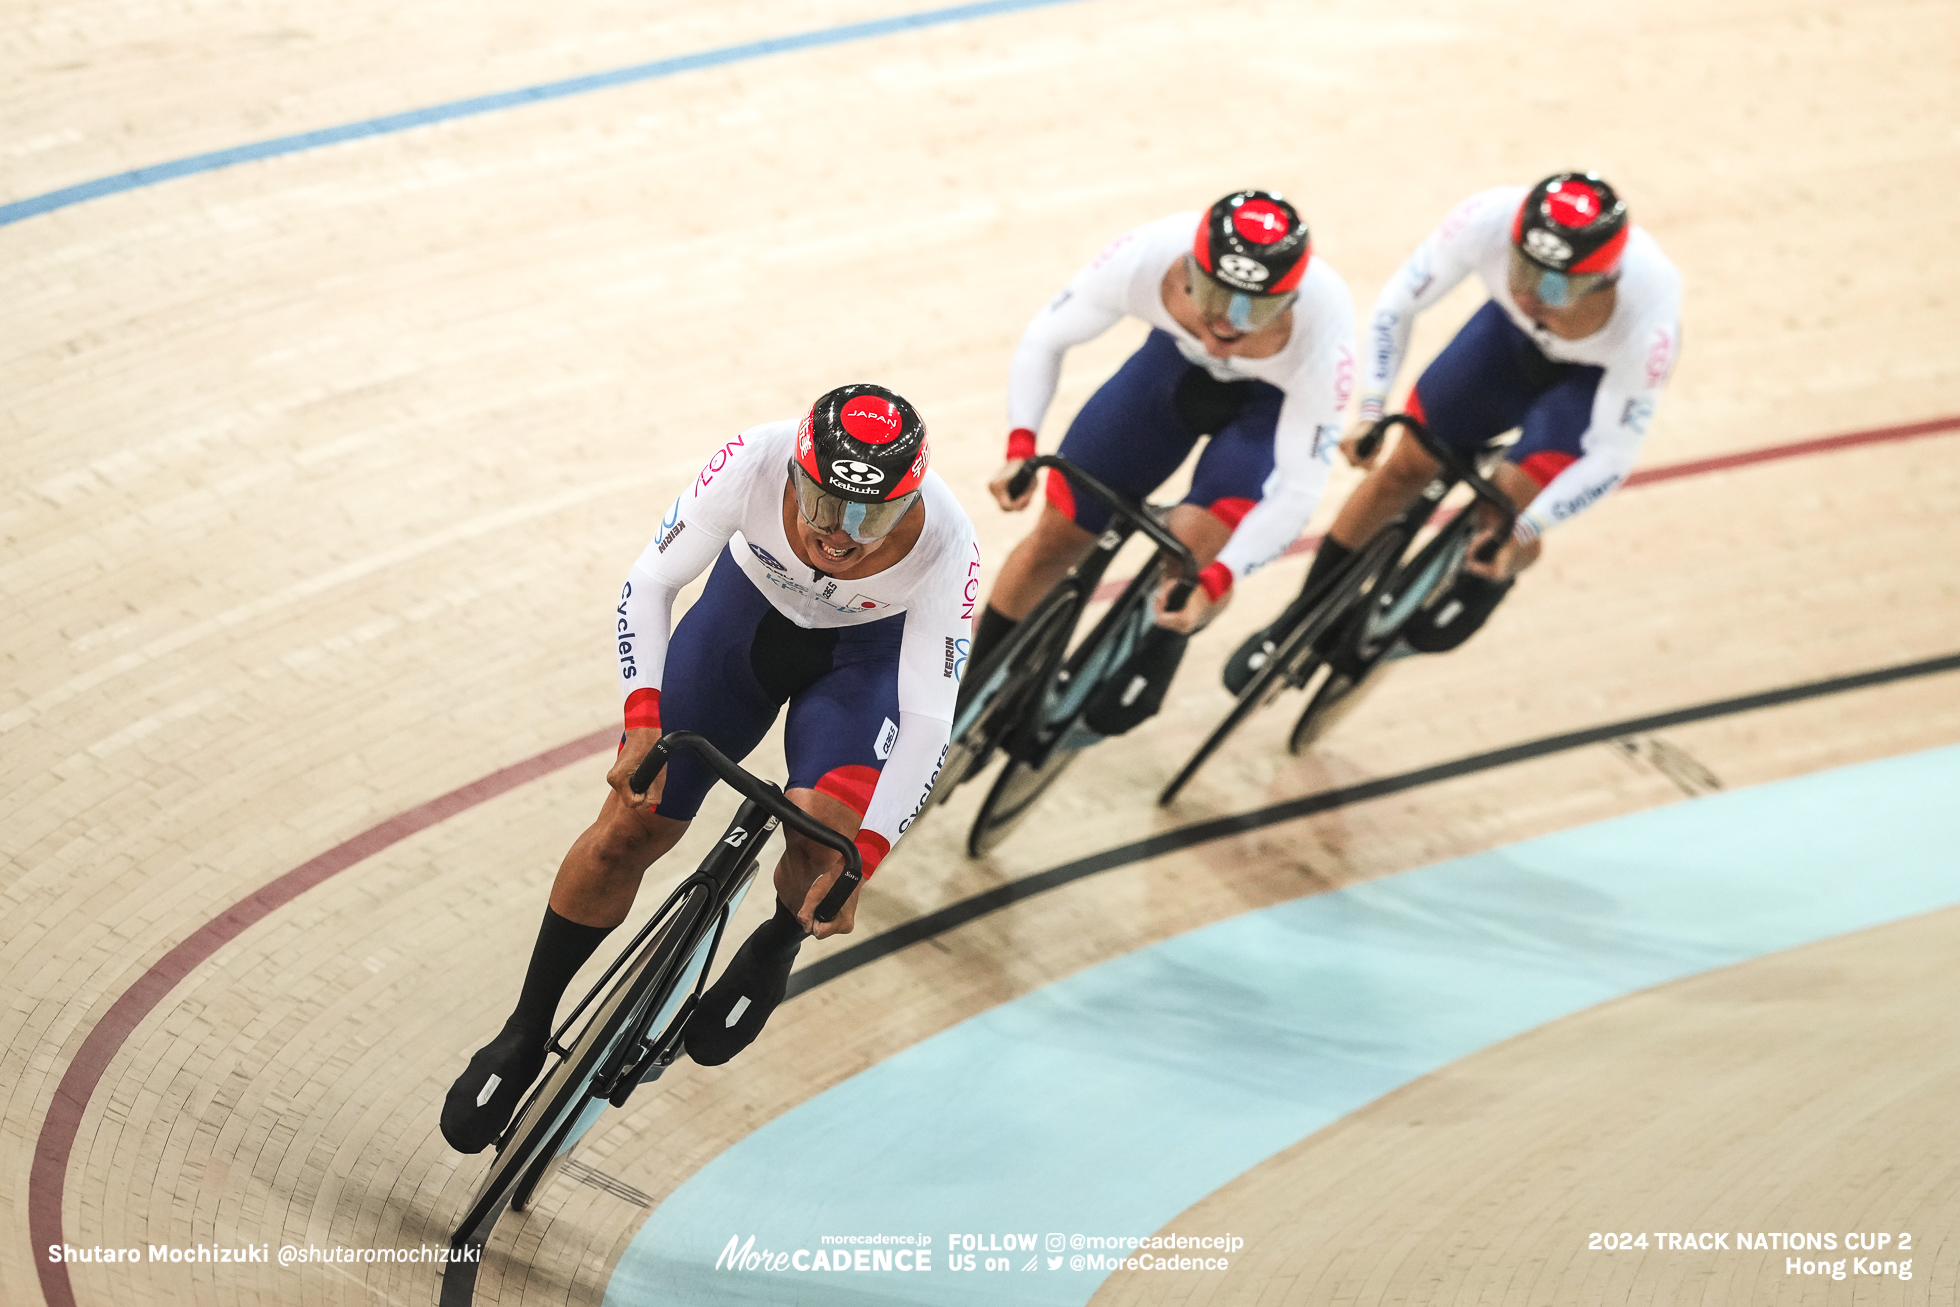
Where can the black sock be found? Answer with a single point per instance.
(562, 948)
(1326, 561)
(989, 633)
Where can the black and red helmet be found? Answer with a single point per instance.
(1247, 259)
(861, 455)
(1254, 242)
(1572, 223)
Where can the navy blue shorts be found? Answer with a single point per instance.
(732, 664)
(1492, 378)
(1141, 424)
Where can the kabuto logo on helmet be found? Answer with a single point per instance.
(1543, 246)
(853, 473)
(1238, 268)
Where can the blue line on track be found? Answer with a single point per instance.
(401, 122)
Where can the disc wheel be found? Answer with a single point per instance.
(1018, 787)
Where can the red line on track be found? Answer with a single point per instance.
(52, 1151)
(1108, 590)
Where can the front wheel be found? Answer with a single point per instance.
(1013, 678)
(1297, 657)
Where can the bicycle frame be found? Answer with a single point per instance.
(1065, 693)
(639, 1008)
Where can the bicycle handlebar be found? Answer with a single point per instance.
(772, 801)
(1121, 507)
(1456, 467)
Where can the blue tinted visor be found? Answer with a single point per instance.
(830, 513)
(1550, 287)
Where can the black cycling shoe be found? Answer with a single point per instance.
(1249, 658)
(480, 1102)
(731, 1014)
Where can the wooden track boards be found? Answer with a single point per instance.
(322, 472)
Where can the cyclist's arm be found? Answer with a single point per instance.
(1445, 257)
(692, 532)
(1623, 408)
(1302, 451)
(930, 656)
(1089, 305)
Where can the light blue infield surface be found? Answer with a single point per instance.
(481, 104)
(1107, 1103)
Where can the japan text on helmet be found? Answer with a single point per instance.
(861, 455)
(1567, 238)
(1248, 258)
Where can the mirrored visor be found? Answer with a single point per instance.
(1553, 288)
(830, 513)
(1215, 300)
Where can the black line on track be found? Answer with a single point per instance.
(958, 914)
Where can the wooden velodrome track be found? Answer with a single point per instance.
(321, 472)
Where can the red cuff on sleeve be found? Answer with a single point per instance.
(1216, 580)
(643, 709)
(1020, 443)
(872, 847)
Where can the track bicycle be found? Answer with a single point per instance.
(1345, 629)
(1029, 700)
(635, 1015)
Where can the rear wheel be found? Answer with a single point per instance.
(1018, 787)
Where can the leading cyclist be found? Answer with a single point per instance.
(840, 583)
(1251, 343)
(1574, 346)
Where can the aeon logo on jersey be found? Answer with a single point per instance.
(853, 473)
(768, 559)
(1237, 267)
(1546, 247)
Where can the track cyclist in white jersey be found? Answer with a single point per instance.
(1251, 344)
(840, 587)
(1574, 348)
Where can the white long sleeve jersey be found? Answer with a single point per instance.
(1636, 349)
(1315, 370)
(738, 497)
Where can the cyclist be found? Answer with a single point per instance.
(841, 566)
(1251, 343)
(1574, 346)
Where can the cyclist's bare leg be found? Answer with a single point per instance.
(601, 872)
(1202, 532)
(595, 887)
(1383, 493)
(1043, 558)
